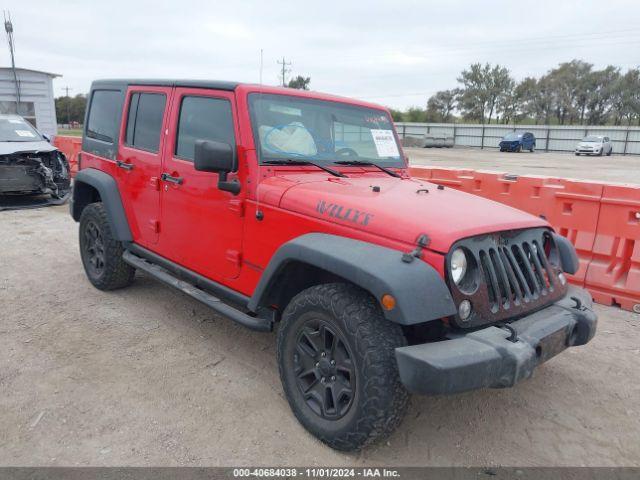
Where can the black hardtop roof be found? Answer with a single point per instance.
(123, 82)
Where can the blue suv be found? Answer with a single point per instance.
(518, 141)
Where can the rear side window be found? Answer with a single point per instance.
(144, 122)
(203, 118)
(103, 115)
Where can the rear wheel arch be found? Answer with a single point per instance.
(83, 195)
(91, 186)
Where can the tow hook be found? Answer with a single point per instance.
(513, 337)
(579, 305)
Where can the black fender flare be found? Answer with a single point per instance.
(420, 292)
(107, 187)
(568, 255)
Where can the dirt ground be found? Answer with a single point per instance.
(148, 376)
(616, 168)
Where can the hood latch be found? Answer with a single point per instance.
(422, 242)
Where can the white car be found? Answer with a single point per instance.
(594, 145)
(29, 164)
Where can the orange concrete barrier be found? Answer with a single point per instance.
(602, 221)
(70, 146)
(614, 273)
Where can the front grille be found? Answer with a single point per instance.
(513, 275)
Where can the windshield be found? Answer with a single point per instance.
(294, 128)
(15, 129)
(512, 136)
(592, 138)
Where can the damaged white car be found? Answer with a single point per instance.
(29, 164)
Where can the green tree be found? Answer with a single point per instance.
(441, 105)
(396, 115)
(299, 82)
(71, 109)
(415, 114)
(483, 88)
(568, 87)
(601, 94)
(626, 98)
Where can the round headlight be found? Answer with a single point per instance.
(458, 265)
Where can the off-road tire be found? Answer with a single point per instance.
(380, 400)
(114, 273)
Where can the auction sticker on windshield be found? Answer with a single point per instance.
(25, 133)
(385, 143)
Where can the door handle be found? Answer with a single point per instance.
(168, 178)
(126, 166)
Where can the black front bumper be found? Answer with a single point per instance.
(491, 357)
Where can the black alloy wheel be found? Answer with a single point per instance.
(324, 369)
(93, 248)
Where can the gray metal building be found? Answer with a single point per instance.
(36, 97)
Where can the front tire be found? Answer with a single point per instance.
(101, 253)
(337, 365)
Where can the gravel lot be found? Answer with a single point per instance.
(148, 376)
(616, 168)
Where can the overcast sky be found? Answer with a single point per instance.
(394, 53)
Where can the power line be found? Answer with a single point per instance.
(8, 28)
(68, 102)
(284, 64)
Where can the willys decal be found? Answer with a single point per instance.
(342, 213)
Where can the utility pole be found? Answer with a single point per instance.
(8, 27)
(284, 70)
(66, 89)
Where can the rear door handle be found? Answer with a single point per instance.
(168, 178)
(126, 166)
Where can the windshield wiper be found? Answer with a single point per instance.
(295, 161)
(368, 164)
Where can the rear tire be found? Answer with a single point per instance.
(338, 332)
(102, 254)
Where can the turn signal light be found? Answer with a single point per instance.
(388, 302)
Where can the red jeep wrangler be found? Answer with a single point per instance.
(274, 205)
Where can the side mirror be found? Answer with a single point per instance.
(217, 157)
(46, 137)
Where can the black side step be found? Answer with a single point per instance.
(215, 303)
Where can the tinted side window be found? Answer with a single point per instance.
(203, 118)
(144, 123)
(103, 115)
